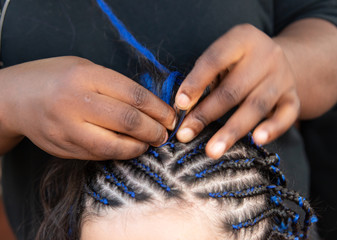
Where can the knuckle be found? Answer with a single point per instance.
(245, 28)
(165, 114)
(160, 135)
(260, 104)
(274, 57)
(77, 68)
(273, 91)
(295, 103)
(228, 95)
(233, 134)
(212, 58)
(131, 119)
(198, 115)
(277, 51)
(190, 89)
(107, 150)
(140, 96)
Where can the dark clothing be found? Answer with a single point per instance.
(320, 143)
(178, 31)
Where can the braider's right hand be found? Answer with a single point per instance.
(73, 108)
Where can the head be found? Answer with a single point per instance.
(175, 192)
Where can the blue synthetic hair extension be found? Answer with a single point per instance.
(127, 36)
(166, 91)
(146, 79)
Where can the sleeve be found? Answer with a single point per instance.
(288, 11)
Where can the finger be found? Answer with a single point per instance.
(224, 52)
(255, 107)
(118, 116)
(104, 144)
(231, 91)
(118, 86)
(285, 115)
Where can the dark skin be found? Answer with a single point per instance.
(73, 108)
(269, 79)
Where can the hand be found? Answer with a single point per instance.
(260, 80)
(73, 108)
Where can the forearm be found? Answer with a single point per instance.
(311, 48)
(8, 136)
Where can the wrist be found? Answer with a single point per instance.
(9, 134)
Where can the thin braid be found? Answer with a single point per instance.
(248, 192)
(153, 176)
(239, 164)
(280, 212)
(182, 161)
(118, 182)
(98, 196)
(222, 165)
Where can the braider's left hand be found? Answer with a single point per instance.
(260, 79)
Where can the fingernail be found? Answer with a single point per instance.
(218, 149)
(183, 101)
(261, 136)
(174, 124)
(166, 137)
(185, 134)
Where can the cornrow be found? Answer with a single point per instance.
(249, 192)
(154, 176)
(187, 157)
(99, 197)
(109, 176)
(261, 216)
(248, 163)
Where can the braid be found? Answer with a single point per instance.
(153, 176)
(280, 212)
(99, 196)
(188, 157)
(112, 178)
